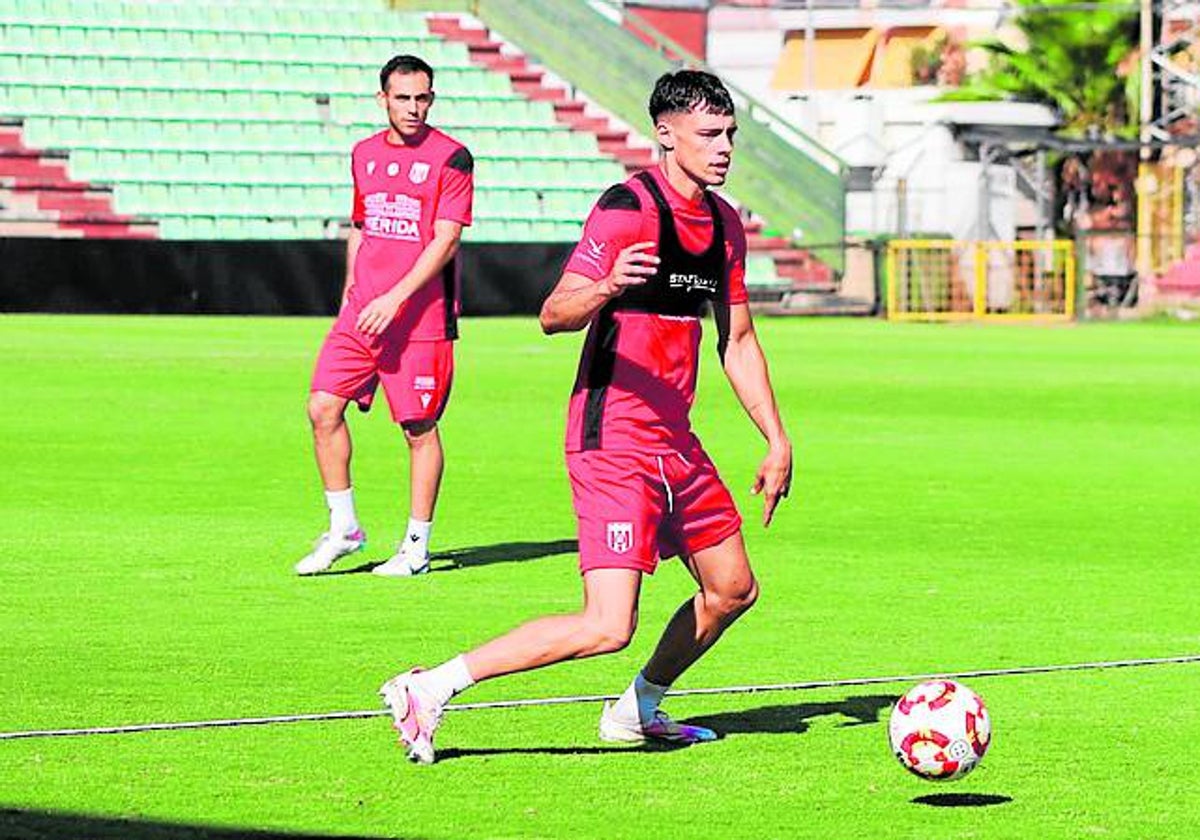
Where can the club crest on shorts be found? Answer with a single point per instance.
(620, 536)
(418, 172)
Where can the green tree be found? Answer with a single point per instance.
(1069, 59)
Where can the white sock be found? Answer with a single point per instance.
(640, 700)
(447, 679)
(416, 542)
(342, 518)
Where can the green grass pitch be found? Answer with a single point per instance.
(966, 497)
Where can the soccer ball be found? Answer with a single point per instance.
(940, 730)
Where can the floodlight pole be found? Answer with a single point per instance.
(1141, 248)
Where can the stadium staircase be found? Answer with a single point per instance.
(796, 184)
(772, 268)
(38, 197)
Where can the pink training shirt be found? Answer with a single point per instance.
(399, 192)
(637, 376)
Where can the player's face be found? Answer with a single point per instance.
(701, 142)
(407, 99)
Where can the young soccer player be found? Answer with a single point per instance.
(413, 189)
(656, 251)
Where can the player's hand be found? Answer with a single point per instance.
(377, 315)
(633, 267)
(774, 480)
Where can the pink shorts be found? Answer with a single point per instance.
(634, 508)
(416, 375)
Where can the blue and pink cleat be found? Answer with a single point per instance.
(659, 728)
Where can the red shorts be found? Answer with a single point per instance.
(416, 375)
(634, 508)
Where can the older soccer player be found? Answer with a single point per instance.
(413, 188)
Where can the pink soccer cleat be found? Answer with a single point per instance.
(330, 548)
(415, 714)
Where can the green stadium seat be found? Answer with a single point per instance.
(760, 272)
(204, 116)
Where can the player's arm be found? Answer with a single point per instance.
(353, 242)
(576, 299)
(377, 314)
(593, 275)
(746, 367)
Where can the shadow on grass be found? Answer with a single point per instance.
(451, 753)
(511, 552)
(962, 800)
(480, 555)
(53, 825)
(766, 719)
(794, 718)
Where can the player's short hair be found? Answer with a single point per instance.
(404, 65)
(681, 91)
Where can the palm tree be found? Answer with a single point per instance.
(1069, 59)
(1077, 62)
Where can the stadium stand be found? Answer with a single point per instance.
(234, 121)
(217, 120)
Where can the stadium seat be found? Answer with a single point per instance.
(207, 115)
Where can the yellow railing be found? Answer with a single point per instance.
(1159, 216)
(951, 279)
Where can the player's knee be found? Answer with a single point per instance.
(324, 414)
(612, 640)
(732, 601)
(420, 432)
(609, 636)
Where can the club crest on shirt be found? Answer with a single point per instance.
(418, 172)
(620, 536)
(392, 169)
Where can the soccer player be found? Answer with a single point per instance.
(656, 251)
(413, 189)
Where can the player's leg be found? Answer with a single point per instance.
(345, 372)
(331, 443)
(705, 529)
(605, 624)
(418, 391)
(727, 589)
(426, 462)
(331, 439)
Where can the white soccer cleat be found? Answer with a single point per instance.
(401, 565)
(659, 728)
(329, 549)
(415, 715)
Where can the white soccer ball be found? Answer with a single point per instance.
(940, 730)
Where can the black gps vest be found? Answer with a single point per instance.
(685, 281)
(683, 285)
